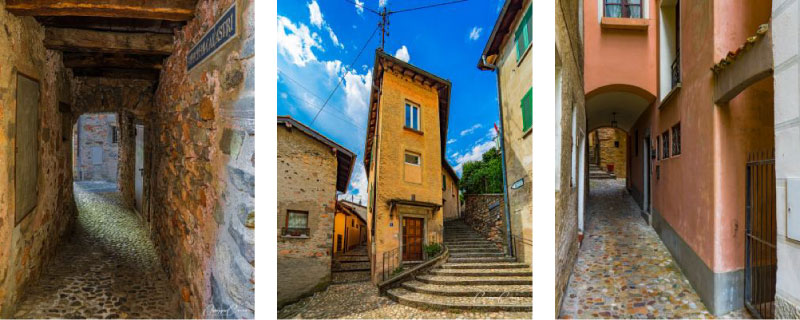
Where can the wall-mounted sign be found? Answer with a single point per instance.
(223, 31)
(518, 184)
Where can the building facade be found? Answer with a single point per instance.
(451, 202)
(97, 147)
(311, 169)
(608, 149)
(571, 146)
(404, 149)
(350, 226)
(668, 73)
(507, 52)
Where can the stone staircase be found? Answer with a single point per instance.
(351, 266)
(477, 276)
(596, 172)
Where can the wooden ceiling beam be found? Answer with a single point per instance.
(111, 24)
(112, 60)
(117, 73)
(77, 40)
(173, 10)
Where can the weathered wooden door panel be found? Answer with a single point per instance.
(26, 157)
(412, 239)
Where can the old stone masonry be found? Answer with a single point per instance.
(106, 269)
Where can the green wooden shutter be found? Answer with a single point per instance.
(527, 110)
(524, 33)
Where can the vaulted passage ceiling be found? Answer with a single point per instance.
(109, 38)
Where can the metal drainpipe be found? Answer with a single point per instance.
(502, 155)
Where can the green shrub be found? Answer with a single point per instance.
(432, 249)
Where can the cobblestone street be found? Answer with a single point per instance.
(623, 270)
(107, 268)
(365, 303)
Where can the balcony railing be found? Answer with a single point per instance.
(676, 70)
(295, 232)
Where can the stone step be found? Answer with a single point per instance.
(475, 250)
(492, 265)
(480, 259)
(431, 301)
(469, 291)
(466, 280)
(350, 276)
(476, 254)
(505, 272)
(473, 246)
(362, 266)
(346, 259)
(450, 242)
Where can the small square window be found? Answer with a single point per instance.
(412, 159)
(297, 219)
(412, 116)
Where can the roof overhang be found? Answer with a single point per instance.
(349, 207)
(449, 169)
(345, 159)
(384, 62)
(403, 202)
(502, 27)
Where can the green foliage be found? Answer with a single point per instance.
(484, 176)
(432, 250)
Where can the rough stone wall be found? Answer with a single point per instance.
(27, 246)
(203, 167)
(612, 154)
(394, 142)
(95, 131)
(484, 213)
(307, 182)
(569, 48)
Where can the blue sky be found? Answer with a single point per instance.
(317, 40)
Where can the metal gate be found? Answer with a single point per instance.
(760, 254)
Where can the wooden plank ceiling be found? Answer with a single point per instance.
(109, 38)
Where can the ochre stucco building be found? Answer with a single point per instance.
(311, 169)
(404, 149)
(349, 227)
(451, 204)
(507, 52)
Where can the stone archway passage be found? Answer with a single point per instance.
(623, 270)
(107, 268)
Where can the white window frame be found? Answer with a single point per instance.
(419, 158)
(414, 117)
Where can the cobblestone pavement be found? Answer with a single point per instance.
(107, 268)
(623, 270)
(364, 302)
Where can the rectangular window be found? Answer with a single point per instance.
(658, 147)
(665, 141)
(522, 37)
(412, 159)
(114, 134)
(444, 183)
(676, 139)
(412, 116)
(527, 110)
(622, 8)
(297, 220)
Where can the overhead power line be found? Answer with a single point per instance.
(425, 7)
(343, 74)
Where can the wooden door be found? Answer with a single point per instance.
(412, 239)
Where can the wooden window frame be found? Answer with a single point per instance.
(676, 139)
(625, 9)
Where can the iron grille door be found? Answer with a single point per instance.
(760, 254)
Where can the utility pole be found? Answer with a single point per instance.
(384, 25)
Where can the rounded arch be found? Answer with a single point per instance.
(622, 103)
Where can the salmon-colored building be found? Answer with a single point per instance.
(686, 82)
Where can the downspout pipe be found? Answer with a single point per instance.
(502, 154)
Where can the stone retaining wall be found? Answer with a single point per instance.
(484, 213)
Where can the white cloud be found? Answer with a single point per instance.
(359, 185)
(334, 38)
(296, 44)
(402, 54)
(470, 129)
(359, 8)
(382, 3)
(475, 33)
(284, 95)
(451, 141)
(333, 67)
(315, 16)
(473, 155)
(356, 89)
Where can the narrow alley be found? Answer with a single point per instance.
(623, 270)
(107, 268)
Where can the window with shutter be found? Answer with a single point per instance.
(522, 37)
(527, 110)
